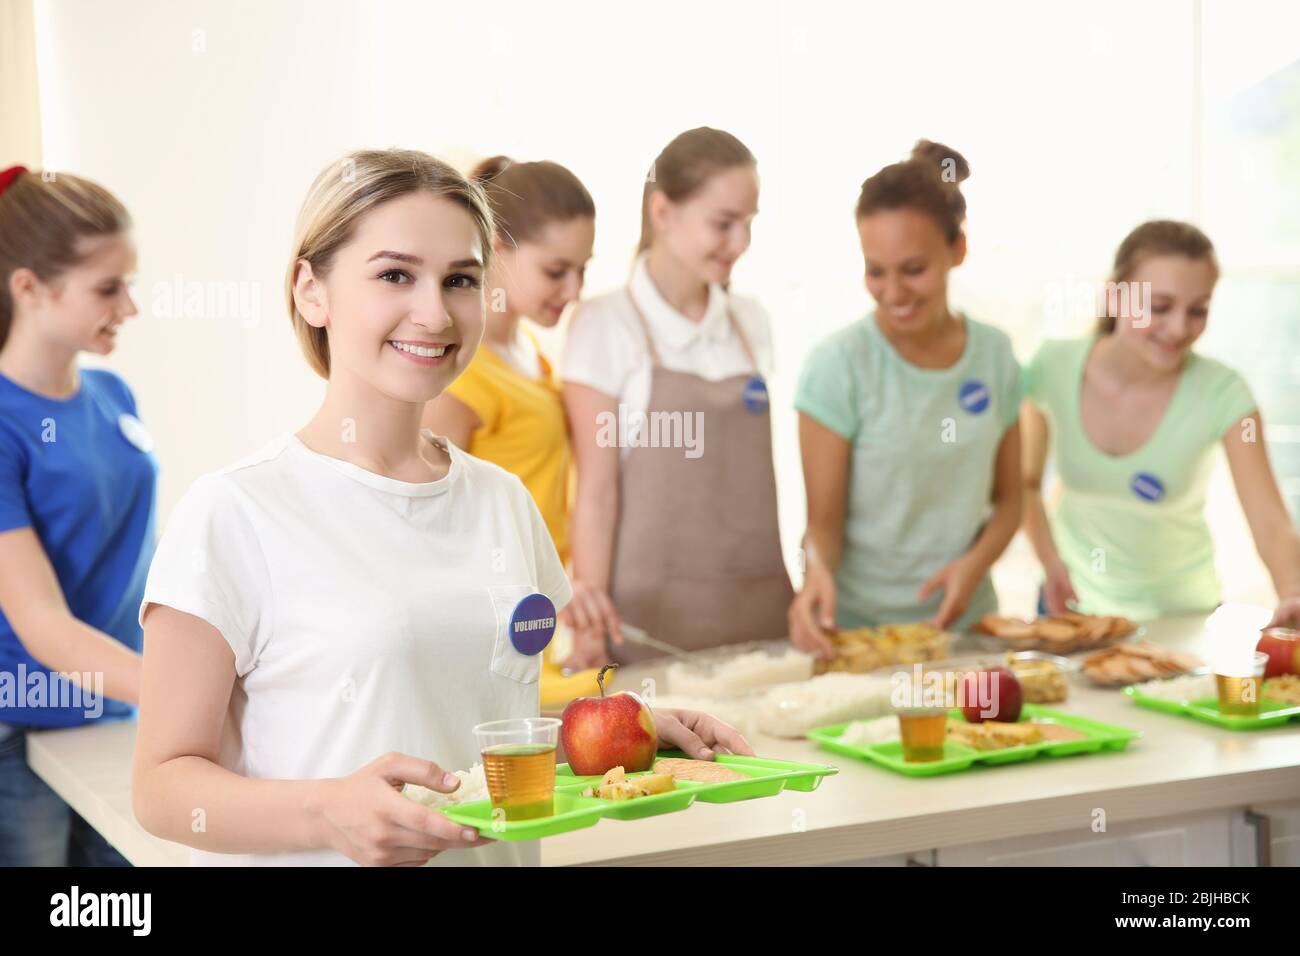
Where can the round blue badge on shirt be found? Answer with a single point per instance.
(755, 394)
(1147, 486)
(532, 624)
(973, 396)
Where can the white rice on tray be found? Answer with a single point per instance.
(1186, 687)
(878, 730)
(791, 710)
(473, 786)
(742, 673)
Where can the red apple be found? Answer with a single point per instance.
(1282, 645)
(615, 730)
(997, 687)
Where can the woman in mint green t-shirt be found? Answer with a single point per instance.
(1134, 416)
(908, 427)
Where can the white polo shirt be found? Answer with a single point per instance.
(366, 615)
(605, 347)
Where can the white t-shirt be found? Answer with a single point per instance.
(605, 347)
(366, 615)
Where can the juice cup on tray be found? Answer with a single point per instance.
(1239, 693)
(923, 730)
(519, 764)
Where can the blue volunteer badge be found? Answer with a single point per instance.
(973, 396)
(755, 394)
(532, 624)
(1147, 486)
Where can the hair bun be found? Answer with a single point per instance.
(950, 164)
(490, 168)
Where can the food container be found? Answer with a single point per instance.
(865, 649)
(1042, 676)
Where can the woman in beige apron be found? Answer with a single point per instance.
(697, 555)
(691, 553)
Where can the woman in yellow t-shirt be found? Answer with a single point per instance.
(506, 407)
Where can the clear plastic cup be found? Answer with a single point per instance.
(1239, 693)
(923, 731)
(519, 764)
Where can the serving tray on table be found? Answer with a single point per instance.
(573, 811)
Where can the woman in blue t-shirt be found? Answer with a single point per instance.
(77, 483)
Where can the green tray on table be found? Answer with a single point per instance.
(1272, 713)
(768, 777)
(957, 757)
(574, 811)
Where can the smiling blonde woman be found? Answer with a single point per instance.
(339, 603)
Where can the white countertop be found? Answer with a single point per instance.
(1178, 766)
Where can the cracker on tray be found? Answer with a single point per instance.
(1059, 633)
(1134, 663)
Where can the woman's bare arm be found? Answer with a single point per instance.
(591, 612)
(825, 457)
(181, 793)
(1007, 502)
(1271, 526)
(33, 603)
(1033, 458)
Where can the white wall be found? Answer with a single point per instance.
(210, 120)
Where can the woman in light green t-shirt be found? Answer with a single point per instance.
(1134, 416)
(908, 427)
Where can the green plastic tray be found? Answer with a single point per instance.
(672, 801)
(574, 811)
(958, 757)
(1272, 713)
(767, 777)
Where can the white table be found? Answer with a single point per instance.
(1178, 767)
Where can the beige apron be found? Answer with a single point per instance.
(697, 551)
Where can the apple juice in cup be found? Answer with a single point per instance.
(922, 711)
(1239, 695)
(923, 730)
(519, 764)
